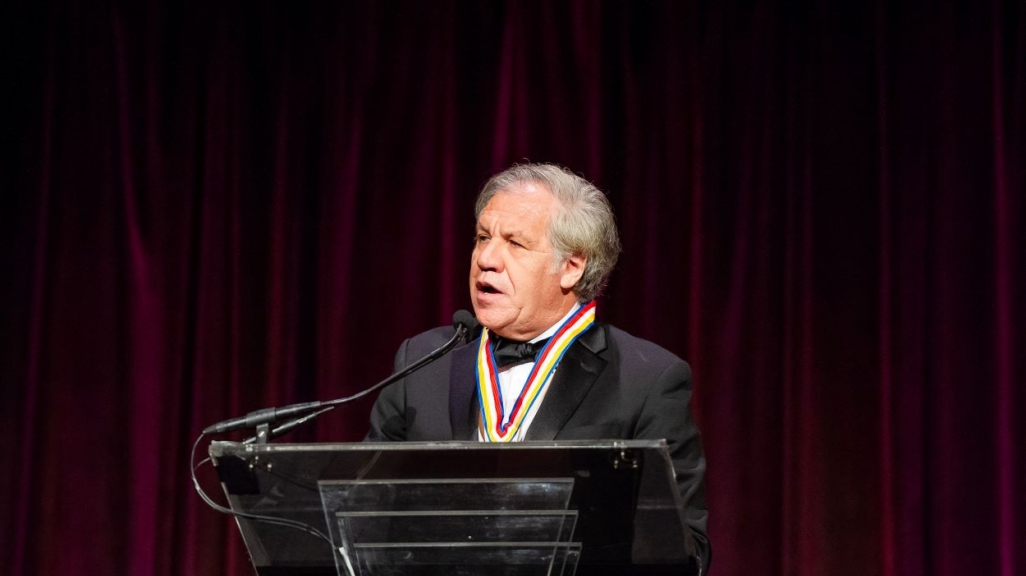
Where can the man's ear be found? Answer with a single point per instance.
(573, 269)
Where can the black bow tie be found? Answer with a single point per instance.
(510, 352)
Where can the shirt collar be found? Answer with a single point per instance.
(552, 329)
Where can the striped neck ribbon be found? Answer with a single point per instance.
(501, 423)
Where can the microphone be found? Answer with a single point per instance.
(263, 416)
(466, 327)
(466, 321)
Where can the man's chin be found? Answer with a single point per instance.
(493, 320)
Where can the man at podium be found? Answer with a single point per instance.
(542, 367)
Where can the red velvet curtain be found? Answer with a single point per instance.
(219, 207)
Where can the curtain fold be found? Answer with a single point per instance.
(212, 209)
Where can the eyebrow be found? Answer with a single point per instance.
(511, 234)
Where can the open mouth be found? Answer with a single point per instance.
(486, 288)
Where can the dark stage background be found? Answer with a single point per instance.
(215, 208)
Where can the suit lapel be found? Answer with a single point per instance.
(575, 375)
(463, 392)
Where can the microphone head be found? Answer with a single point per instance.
(468, 322)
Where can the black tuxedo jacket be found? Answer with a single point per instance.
(609, 385)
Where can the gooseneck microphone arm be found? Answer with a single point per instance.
(465, 324)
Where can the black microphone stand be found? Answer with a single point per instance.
(307, 411)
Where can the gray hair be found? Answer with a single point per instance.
(584, 224)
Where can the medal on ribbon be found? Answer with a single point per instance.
(501, 423)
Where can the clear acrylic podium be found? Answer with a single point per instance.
(458, 508)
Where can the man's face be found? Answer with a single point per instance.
(515, 286)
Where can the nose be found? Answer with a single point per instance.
(488, 257)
